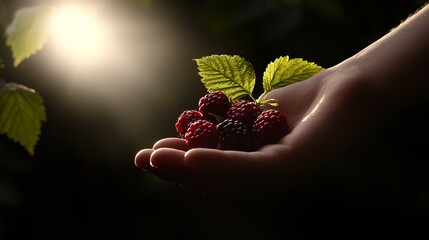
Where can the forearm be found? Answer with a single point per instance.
(398, 63)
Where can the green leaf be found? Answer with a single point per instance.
(232, 75)
(28, 31)
(21, 114)
(284, 71)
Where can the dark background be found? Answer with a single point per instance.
(82, 182)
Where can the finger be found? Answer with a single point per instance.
(203, 172)
(169, 164)
(142, 158)
(176, 143)
(236, 171)
(142, 161)
(213, 160)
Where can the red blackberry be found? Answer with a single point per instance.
(214, 104)
(270, 126)
(185, 119)
(235, 135)
(244, 111)
(202, 133)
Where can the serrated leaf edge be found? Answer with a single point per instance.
(244, 88)
(9, 129)
(288, 76)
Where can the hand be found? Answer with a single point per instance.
(326, 113)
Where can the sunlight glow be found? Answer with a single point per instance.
(118, 57)
(77, 33)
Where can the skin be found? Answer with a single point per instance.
(327, 113)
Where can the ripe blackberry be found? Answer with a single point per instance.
(185, 119)
(202, 133)
(270, 127)
(214, 104)
(244, 111)
(235, 135)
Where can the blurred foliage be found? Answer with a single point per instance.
(21, 108)
(21, 114)
(27, 33)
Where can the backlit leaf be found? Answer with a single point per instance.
(27, 33)
(232, 75)
(21, 114)
(284, 71)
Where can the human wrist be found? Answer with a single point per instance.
(396, 63)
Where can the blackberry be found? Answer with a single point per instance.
(270, 127)
(214, 105)
(244, 111)
(202, 133)
(235, 135)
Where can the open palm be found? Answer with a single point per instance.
(325, 112)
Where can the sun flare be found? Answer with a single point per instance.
(78, 33)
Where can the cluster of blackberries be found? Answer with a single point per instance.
(241, 125)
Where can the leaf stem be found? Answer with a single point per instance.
(261, 98)
(253, 98)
